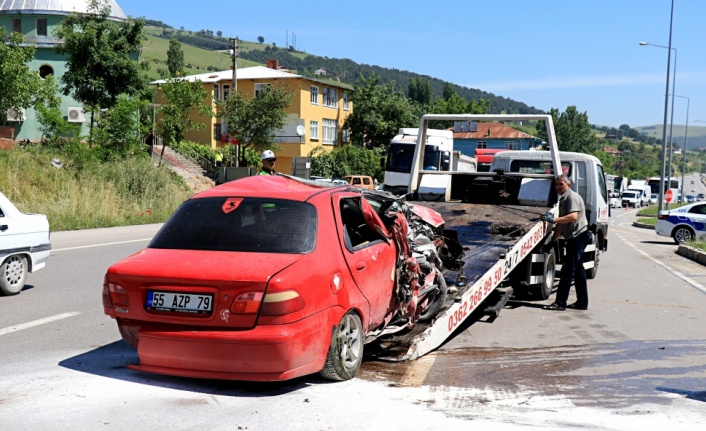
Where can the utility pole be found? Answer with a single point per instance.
(234, 55)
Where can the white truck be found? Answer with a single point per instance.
(641, 190)
(492, 219)
(439, 156)
(587, 179)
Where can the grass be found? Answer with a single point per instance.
(154, 52)
(86, 195)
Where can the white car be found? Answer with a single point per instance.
(684, 223)
(24, 246)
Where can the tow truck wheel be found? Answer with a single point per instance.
(592, 272)
(13, 274)
(346, 352)
(544, 289)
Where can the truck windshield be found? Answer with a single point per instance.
(399, 158)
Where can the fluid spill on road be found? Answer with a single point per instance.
(617, 374)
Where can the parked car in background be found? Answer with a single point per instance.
(632, 198)
(362, 181)
(700, 197)
(24, 246)
(684, 223)
(690, 198)
(654, 198)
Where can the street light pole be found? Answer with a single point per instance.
(686, 132)
(666, 109)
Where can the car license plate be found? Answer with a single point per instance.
(179, 302)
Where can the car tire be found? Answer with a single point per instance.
(13, 274)
(544, 289)
(682, 234)
(436, 300)
(346, 351)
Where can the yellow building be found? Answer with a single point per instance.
(315, 117)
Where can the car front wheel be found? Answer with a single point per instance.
(346, 351)
(682, 234)
(13, 274)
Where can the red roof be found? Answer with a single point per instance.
(493, 130)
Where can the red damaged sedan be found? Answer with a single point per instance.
(270, 278)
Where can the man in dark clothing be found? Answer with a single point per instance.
(573, 225)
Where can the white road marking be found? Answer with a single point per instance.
(689, 280)
(15, 328)
(100, 245)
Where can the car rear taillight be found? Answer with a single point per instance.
(114, 295)
(281, 303)
(663, 216)
(246, 303)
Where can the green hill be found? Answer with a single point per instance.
(696, 135)
(205, 52)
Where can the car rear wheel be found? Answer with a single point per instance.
(13, 274)
(682, 234)
(346, 351)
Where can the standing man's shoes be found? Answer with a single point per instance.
(554, 307)
(576, 306)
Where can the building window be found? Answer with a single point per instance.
(345, 135)
(330, 132)
(511, 145)
(482, 144)
(17, 25)
(314, 95)
(45, 70)
(330, 97)
(314, 130)
(226, 91)
(217, 132)
(345, 102)
(216, 92)
(41, 27)
(259, 88)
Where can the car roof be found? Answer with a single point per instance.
(269, 186)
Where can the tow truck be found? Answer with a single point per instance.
(493, 219)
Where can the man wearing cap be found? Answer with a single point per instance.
(268, 163)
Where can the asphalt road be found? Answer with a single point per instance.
(635, 360)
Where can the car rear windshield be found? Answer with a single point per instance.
(240, 224)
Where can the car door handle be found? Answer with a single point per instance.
(360, 265)
(3, 227)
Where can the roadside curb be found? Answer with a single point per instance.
(692, 253)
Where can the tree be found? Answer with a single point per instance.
(175, 59)
(572, 129)
(254, 122)
(182, 97)
(18, 84)
(419, 90)
(380, 111)
(347, 159)
(100, 65)
(260, 39)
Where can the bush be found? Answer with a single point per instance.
(86, 192)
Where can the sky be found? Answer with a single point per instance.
(545, 53)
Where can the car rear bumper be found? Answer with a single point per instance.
(264, 353)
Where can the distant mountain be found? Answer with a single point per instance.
(343, 70)
(695, 135)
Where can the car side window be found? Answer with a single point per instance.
(698, 209)
(356, 231)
